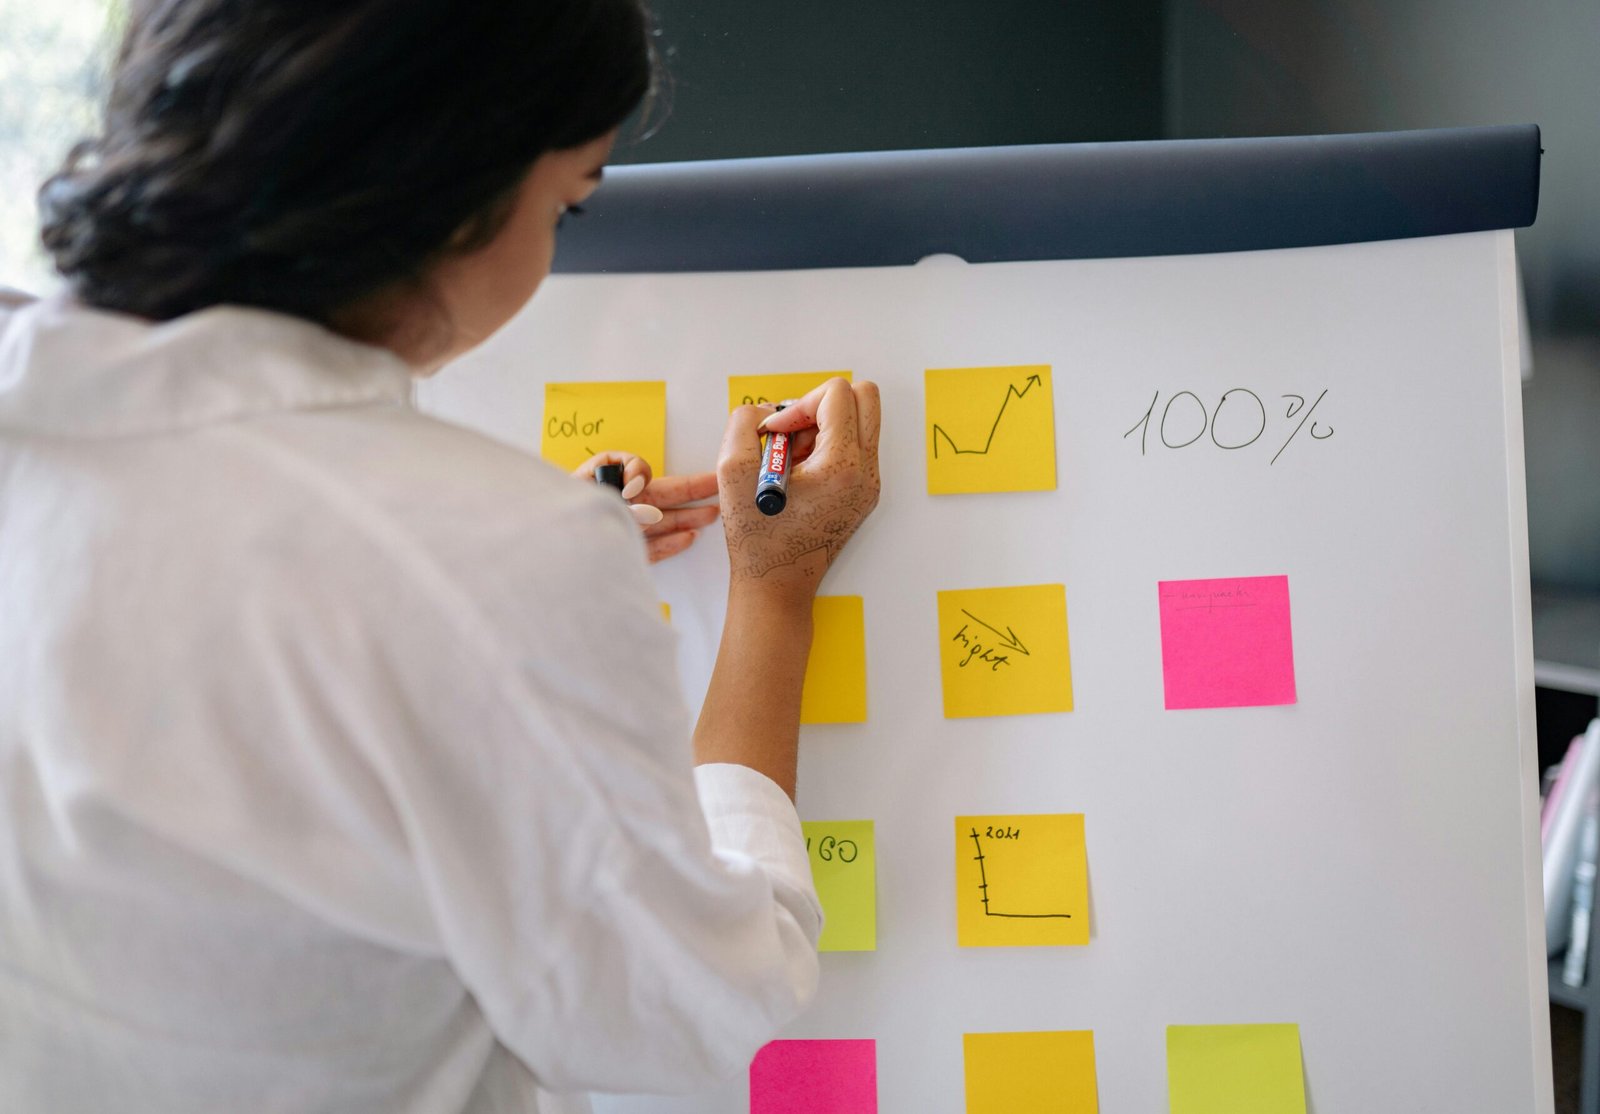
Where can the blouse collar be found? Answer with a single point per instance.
(67, 369)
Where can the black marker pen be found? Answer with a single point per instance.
(610, 475)
(772, 485)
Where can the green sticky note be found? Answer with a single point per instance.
(844, 868)
(1235, 1069)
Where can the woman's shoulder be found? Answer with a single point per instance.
(445, 502)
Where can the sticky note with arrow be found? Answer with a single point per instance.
(1003, 651)
(990, 429)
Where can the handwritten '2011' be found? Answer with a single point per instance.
(1244, 431)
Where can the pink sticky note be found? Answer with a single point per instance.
(815, 1077)
(1226, 643)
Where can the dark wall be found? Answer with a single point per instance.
(785, 78)
(1293, 67)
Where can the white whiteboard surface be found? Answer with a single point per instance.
(1363, 862)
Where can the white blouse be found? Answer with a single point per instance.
(343, 763)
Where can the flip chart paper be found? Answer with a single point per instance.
(1003, 651)
(1021, 881)
(835, 689)
(990, 429)
(746, 389)
(815, 1077)
(1031, 1073)
(844, 868)
(581, 419)
(1226, 643)
(1235, 1069)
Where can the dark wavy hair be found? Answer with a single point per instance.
(300, 155)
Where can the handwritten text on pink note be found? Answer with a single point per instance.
(815, 1077)
(1226, 643)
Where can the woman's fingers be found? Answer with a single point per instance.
(646, 515)
(683, 518)
(676, 491)
(739, 459)
(668, 545)
(633, 467)
(831, 409)
(868, 412)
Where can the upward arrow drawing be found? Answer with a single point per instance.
(1011, 392)
(1007, 636)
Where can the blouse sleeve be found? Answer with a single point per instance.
(625, 921)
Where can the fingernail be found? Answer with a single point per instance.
(646, 515)
(633, 487)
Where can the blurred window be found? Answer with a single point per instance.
(52, 58)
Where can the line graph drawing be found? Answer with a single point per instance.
(983, 887)
(1011, 392)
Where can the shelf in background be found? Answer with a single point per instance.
(1566, 640)
(1573, 997)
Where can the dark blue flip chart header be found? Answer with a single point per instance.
(1067, 201)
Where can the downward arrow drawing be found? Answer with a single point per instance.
(1008, 636)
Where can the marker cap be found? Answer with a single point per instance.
(610, 475)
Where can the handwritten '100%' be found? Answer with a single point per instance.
(1247, 427)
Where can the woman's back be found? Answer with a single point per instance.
(313, 772)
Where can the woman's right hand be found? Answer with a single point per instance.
(833, 486)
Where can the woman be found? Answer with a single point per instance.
(342, 758)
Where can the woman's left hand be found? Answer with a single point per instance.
(666, 508)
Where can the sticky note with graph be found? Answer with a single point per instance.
(990, 429)
(582, 419)
(1021, 881)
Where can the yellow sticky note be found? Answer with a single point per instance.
(1003, 651)
(990, 429)
(1021, 881)
(835, 688)
(581, 419)
(1235, 1069)
(1031, 1073)
(666, 611)
(743, 390)
(844, 868)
